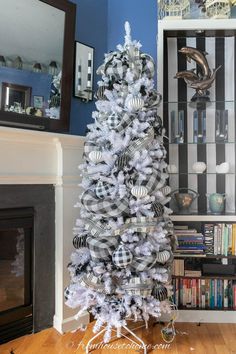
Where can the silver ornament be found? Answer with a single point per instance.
(139, 191)
(95, 156)
(134, 104)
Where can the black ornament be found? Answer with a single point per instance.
(80, 241)
(157, 208)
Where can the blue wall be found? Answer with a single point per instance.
(142, 16)
(100, 23)
(91, 29)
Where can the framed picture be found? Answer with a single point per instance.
(83, 71)
(38, 102)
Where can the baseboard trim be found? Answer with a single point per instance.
(203, 316)
(70, 324)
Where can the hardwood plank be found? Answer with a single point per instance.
(190, 338)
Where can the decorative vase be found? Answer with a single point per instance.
(216, 202)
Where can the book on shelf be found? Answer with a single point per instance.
(192, 273)
(220, 239)
(178, 267)
(205, 293)
(189, 240)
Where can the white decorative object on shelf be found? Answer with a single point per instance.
(173, 9)
(134, 104)
(218, 8)
(222, 168)
(172, 168)
(139, 191)
(199, 167)
(95, 156)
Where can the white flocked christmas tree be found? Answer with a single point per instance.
(121, 268)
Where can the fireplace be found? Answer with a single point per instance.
(27, 259)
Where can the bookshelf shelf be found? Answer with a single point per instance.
(205, 277)
(176, 255)
(203, 218)
(206, 309)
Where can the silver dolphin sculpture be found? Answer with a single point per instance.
(187, 75)
(204, 84)
(199, 57)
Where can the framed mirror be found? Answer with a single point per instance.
(36, 63)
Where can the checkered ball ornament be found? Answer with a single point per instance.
(103, 190)
(122, 257)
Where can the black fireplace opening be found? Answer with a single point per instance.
(16, 272)
(27, 259)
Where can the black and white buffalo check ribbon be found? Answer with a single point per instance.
(152, 181)
(92, 282)
(140, 224)
(117, 70)
(134, 146)
(136, 286)
(96, 229)
(106, 208)
(102, 248)
(140, 143)
(148, 65)
(125, 122)
(143, 262)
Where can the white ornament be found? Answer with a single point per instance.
(139, 191)
(165, 190)
(95, 156)
(172, 168)
(163, 256)
(222, 168)
(134, 104)
(199, 167)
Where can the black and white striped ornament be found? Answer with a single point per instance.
(160, 292)
(100, 93)
(80, 241)
(163, 256)
(157, 208)
(122, 257)
(122, 161)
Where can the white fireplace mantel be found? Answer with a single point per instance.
(32, 157)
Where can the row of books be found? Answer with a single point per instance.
(220, 239)
(215, 239)
(178, 269)
(189, 240)
(205, 293)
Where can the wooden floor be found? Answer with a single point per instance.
(191, 338)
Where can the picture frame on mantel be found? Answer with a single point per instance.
(83, 71)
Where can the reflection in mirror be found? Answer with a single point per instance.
(15, 98)
(31, 57)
